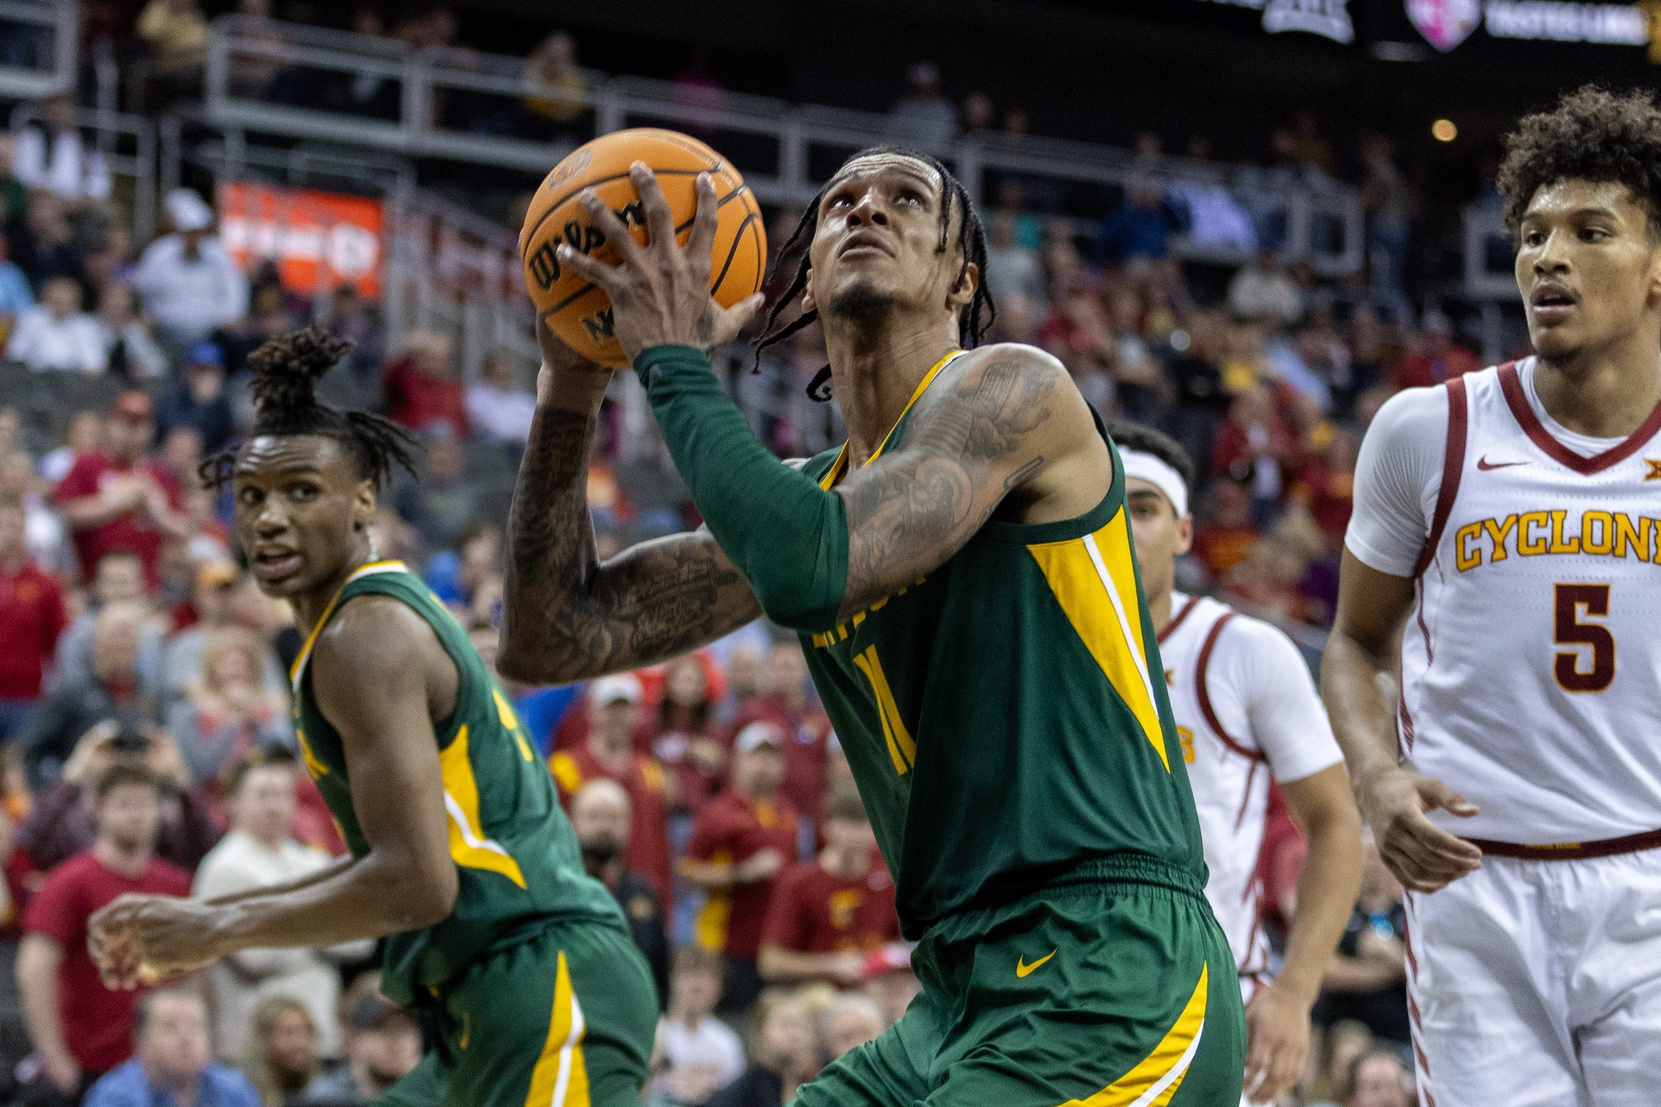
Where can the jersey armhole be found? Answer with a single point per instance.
(1453, 466)
(1202, 693)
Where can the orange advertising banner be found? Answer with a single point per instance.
(319, 240)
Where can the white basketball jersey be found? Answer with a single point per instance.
(1227, 774)
(1531, 670)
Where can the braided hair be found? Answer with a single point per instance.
(974, 319)
(286, 372)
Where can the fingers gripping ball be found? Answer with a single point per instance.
(576, 311)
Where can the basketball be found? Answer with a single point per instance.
(577, 311)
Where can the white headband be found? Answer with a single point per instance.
(1159, 474)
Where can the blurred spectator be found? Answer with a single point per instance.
(786, 1054)
(45, 245)
(1012, 270)
(423, 385)
(119, 578)
(1387, 202)
(172, 1064)
(62, 817)
(443, 503)
(1140, 228)
(282, 1061)
(16, 296)
(176, 33)
(112, 690)
(225, 715)
(696, 1054)
(682, 736)
(188, 283)
(215, 606)
(109, 256)
(82, 434)
(849, 1022)
(383, 1043)
(696, 87)
(1379, 1078)
(980, 115)
(1209, 215)
(742, 842)
(57, 334)
(258, 852)
(889, 980)
(829, 913)
(1255, 447)
(44, 538)
(14, 194)
(1263, 290)
(80, 1029)
(555, 89)
(129, 350)
(31, 619)
(1368, 978)
(120, 499)
(497, 406)
(923, 114)
(601, 816)
(609, 753)
(52, 155)
(1307, 144)
(1438, 358)
(1326, 482)
(1222, 540)
(789, 706)
(199, 399)
(746, 683)
(1342, 1043)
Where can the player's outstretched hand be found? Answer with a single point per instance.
(136, 939)
(660, 291)
(1423, 856)
(1277, 1043)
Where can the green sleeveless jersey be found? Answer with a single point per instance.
(516, 855)
(1005, 717)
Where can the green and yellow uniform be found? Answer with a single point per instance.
(537, 992)
(1011, 737)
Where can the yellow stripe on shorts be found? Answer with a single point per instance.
(1156, 1078)
(560, 1078)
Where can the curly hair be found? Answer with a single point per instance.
(1592, 135)
(286, 372)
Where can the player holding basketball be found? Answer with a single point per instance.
(1507, 520)
(1246, 711)
(961, 576)
(460, 855)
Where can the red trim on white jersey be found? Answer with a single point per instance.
(1517, 401)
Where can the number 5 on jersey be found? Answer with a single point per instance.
(901, 748)
(1570, 601)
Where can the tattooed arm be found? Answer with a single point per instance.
(1006, 433)
(565, 614)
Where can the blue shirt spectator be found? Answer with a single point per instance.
(1140, 229)
(15, 295)
(170, 1067)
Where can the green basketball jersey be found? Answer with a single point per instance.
(1005, 716)
(515, 852)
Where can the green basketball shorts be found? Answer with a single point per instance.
(562, 1019)
(1106, 992)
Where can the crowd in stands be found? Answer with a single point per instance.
(145, 740)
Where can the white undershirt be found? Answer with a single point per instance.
(1398, 474)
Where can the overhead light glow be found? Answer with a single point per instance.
(1443, 130)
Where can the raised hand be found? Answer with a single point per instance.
(659, 292)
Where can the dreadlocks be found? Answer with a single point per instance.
(974, 319)
(286, 372)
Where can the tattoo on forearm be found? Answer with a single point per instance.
(569, 616)
(911, 514)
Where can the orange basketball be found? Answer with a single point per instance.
(577, 311)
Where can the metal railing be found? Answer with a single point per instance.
(127, 144)
(375, 92)
(38, 43)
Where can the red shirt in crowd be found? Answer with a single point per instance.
(97, 1022)
(815, 912)
(31, 618)
(806, 740)
(1424, 370)
(420, 402)
(731, 829)
(648, 852)
(133, 530)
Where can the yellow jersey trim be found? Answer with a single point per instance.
(560, 1078)
(469, 847)
(834, 473)
(334, 601)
